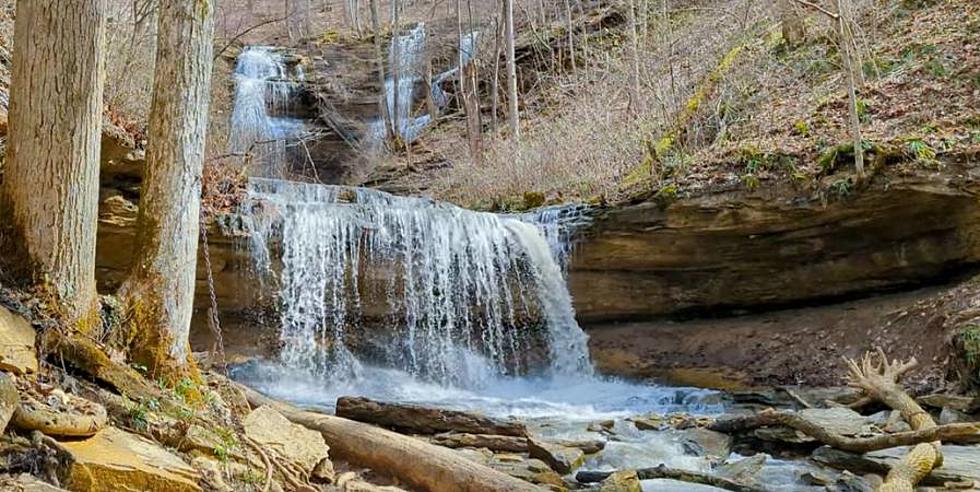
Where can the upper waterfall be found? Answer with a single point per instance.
(260, 126)
(467, 295)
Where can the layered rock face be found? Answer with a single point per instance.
(733, 250)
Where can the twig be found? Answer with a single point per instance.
(817, 7)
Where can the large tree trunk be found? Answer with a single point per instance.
(50, 192)
(160, 289)
(512, 115)
(422, 420)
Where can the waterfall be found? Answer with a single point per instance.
(405, 56)
(263, 88)
(468, 295)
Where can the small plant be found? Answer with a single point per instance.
(221, 453)
(751, 181)
(920, 151)
(139, 415)
(801, 128)
(842, 187)
(668, 191)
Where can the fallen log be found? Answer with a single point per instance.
(493, 442)
(957, 432)
(413, 419)
(879, 381)
(410, 460)
(674, 474)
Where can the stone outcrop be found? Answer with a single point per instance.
(562, 459)
(741, 249)
(115, 460)
(17, 352)
(296, 444)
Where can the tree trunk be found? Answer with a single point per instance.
(421, 420)
(160, 290)
(513, 117)
(50, 192)
(792, 23)
(851, 67)
(386, 123)
(636, 103)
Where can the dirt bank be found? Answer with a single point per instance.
(792, 346)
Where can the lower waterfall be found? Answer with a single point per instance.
(448, 295)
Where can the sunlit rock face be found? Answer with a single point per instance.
(736, 250)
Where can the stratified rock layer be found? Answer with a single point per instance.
(115, 460)
(741, 249)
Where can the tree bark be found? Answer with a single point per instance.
(50, 192)
(421, 420)
(513, 117)
(418, 463)
(792, 23)
(160, 289)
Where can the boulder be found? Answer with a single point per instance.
(115, 460)
(17, 353)
(621, 481)
(745, 470)
(294, 443)
(839, 420)
(562, 459)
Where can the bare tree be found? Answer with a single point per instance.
(160, 289)
(513, 117)
(851, 66)
(49, 196)
(636, 105)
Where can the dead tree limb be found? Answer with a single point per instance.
(958, 432)
(878, 378)
(674, 474)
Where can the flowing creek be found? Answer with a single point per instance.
(409, 300)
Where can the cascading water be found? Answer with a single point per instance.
(404, 59)
(464, 290)
(259, 125)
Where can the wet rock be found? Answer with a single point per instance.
(816, 478)
(705, 442)
(602, 426)
(115, 460)
(745, 470)
(949, 415)
(562, 459)
(17, 353)
(588, 446)
(294, 443)
(849, 482)
(649, 422)
(530, 470)
(621, 481)
(960, 463)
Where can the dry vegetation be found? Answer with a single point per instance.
(776, 112)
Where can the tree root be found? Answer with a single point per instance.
(958, 432)
(674, 474)
(878, 378)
